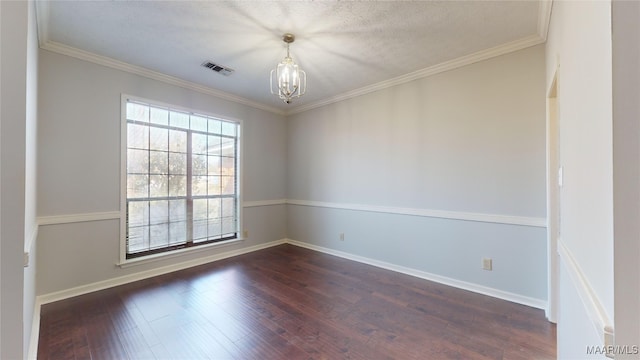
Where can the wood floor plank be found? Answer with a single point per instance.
(288, 302)
(135, 345)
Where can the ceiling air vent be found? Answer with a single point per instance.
(218, 68)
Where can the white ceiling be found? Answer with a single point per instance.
(346, 48)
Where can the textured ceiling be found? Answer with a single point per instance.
(343, 46)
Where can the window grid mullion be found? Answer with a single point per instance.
(148, 227)
(168, 187)
(189, 191)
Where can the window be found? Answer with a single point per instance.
(181, 179)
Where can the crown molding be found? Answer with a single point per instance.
(42, 19)
(151, 74)
(432, 70)
(544, 18)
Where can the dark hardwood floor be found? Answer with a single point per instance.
(288, 302)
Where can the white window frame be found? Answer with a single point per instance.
(124, 262)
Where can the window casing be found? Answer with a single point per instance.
(180, 180)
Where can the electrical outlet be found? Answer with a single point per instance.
(341, 236)
(245, 234)
(487, 264)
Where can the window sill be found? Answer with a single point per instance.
(176, 253)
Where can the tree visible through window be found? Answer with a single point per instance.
(181, 179)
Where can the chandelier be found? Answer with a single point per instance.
(290, 80)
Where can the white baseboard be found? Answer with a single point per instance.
(88, 288)
(84, 289)
(500, 294)
(35, 332)
(105, 284)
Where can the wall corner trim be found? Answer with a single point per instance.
(593, 307)
(29, 243)
(32, 353)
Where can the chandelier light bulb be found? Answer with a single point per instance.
(290, 81)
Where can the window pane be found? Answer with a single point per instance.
(179, 119)
(213, 165)
(199, 209)
(137, 112)
(198, 123)
(199, 143)
(137, 161)
(138, 212)
(228, 185)
(228, 226)
(215, 126)
(228, 166)
(199, 230)
(137, 186)
(159, 236)
(178, 210)
(228, 207)
(177, 163)
(158, 212)
(159, 162)
(214, 145)
(177, 141)
(199, 186)
(138, 239)
(137, 136)
(228, 147)
(214, 228)
(214, 185)
(215, 207)
(177, 185)
(177, 233)
(158, 139)
(228, 128)
(158, 185)
(159, 116)
(199, 164)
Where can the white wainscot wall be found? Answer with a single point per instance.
(449, 251)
